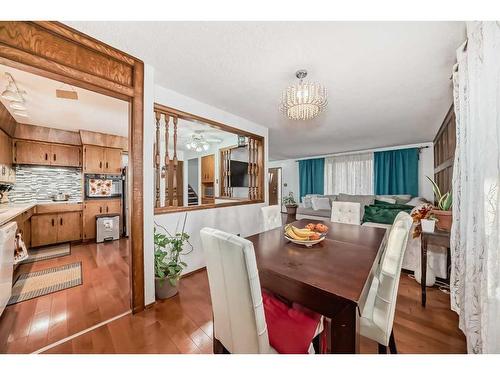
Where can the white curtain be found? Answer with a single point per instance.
(349, 174)
(475, 238)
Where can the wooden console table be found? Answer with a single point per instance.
(438, 238)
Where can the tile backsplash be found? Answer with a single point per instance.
(40, 183)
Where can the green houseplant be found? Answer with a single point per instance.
(167, 259)
(442, 213)
(290, 204)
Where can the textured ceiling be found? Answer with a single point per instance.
(92, 111)
(388, 82)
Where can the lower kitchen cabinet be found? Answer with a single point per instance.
(49, 229)
(95, 207)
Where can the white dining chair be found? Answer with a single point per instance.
(346, 213)
(377, 316)
(239, 311)
(272, 217)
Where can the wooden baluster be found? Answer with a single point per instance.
(157, 160)
(250, 168)
(258, 188)
(167, 163)
(174, 184)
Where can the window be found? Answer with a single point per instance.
(349, 174)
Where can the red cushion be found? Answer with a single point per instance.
(291, 329)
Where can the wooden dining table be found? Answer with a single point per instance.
(332, 277)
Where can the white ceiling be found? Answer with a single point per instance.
(388, 82)
(92, 111)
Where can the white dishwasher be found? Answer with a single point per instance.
(7, 247)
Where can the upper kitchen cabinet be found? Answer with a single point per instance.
(5, 149)
(98, 159)
(41, 153)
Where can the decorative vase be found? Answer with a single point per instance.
(428, 225)
(164, 290)
(444, 219)
(291, 209)
(430, 277)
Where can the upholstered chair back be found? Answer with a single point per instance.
(346, 212)
(272, 217)
(386, 282)
(239, 320)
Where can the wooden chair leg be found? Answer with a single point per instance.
(382, 349)
(218, 347)
(392, 344)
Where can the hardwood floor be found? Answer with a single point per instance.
(183, 324)
(31, 325)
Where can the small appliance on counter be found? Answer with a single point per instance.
(108, 227)
(60, 197)
(103, 186)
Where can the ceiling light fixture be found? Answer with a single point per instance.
(15, 96)
(305, 100)
(197, 143)
(17, 106)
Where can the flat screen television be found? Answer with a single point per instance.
(239, 173)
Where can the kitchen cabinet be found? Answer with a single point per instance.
(54, 228)
(99, 159)
(24, 226)
(64, 155)
(40, 153)
(207, 168)
(5, 149)
(95, 207)
(112, 160)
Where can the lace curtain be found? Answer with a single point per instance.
(475, 237)
(349, 174)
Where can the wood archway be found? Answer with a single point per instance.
(56, 51)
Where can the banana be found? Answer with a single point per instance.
(298, 235)
(290, 233)
(302, 232)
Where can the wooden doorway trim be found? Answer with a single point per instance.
(56, 51)
(278, 174)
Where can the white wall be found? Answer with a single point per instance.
(149, 133)
(244, 220)
(289, 177)
(290, 170)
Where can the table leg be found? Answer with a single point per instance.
(423, 268)
(344, 334)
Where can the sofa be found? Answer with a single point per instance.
(436, 255)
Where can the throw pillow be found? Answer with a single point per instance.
(417, 201)
(363, 200)
(320, 203)
(388, 200)
(384, 213)
(307, 200)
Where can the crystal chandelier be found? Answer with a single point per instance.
(197, 143)
(305, 100)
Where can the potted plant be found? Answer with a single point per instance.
(167, 260)
(290, 204)
(428, 223)
(443, 211)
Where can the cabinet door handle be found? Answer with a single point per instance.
(53, 222)
(61, 221)
(100, 164)
(100, 210)
(54, 157)
(107, 165)
(46, 156)
(107, 209)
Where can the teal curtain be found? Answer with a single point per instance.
(396, 171)
(311, 176)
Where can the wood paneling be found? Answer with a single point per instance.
(112, 160)
(105, 140)
(56, 51)
(64, 155)
(7, 123)
(93, 157)
(105, 293)
(444, 152)
(43, 229)
(69, 226)
(91, 208)
(44, 134)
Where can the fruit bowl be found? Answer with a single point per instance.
(308, 236)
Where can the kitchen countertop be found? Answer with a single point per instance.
(9, 211)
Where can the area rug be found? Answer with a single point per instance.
(48, 252)
(39, 283)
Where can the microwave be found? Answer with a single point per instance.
(103, 186)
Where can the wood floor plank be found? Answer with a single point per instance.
(183, 324)
(30, 325)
